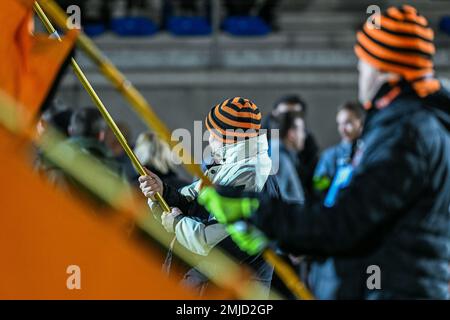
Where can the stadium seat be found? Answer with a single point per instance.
(444, 25)
(246, 26)
(189, 26)
(133, 26)
(94, 30)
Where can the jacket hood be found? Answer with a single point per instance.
(245, 163)
(242, 150)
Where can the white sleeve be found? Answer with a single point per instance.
(155, 208)
(198, 237)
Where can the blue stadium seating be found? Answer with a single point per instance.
(189, 26)
(133, 26)
(94, 30)
(246, 26)
(444, 25)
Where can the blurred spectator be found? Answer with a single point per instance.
(334, 164)
(349, 119)
(117, 151)
(156, 156)
(308, 157)
(292, 141)
(57, 117)
(87, 130)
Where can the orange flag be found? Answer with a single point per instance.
(29, 63)
(53, 247)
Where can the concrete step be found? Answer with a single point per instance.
(296, 39)
(261, 56)
(424, 6)
(339, 14)
(326, 21)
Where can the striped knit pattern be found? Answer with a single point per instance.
(233, 120)
(403, 45)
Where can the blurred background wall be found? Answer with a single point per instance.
(308, 52)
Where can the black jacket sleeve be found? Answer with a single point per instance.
(385, 183)
(189, 208)
(175, 199)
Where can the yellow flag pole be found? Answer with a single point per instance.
(122, 84)
(228, 274)
(287, 275)
(101, 107)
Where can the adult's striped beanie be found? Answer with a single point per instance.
(401, 44)
(234, 120)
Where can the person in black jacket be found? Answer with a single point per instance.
(308, 157)
(391, 222)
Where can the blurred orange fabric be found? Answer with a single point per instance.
(29, 63)
(45, 230)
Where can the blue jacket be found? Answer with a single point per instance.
(394, 214)
(332, 158)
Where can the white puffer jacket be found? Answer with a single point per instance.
(245, 163)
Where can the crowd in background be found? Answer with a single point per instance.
(303, 171)
(402, 223)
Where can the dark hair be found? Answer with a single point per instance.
(355, 107)
(59, 119)
(291, 99)
(286, 121)
(86, 122)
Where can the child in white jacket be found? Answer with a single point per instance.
(241, 160)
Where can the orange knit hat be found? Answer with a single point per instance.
(234, 119)
(403, 45)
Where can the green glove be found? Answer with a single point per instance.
(248, 238)
(321, 183)
(226, 210)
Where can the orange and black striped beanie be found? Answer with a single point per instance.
(402, 45)
(233, 120)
